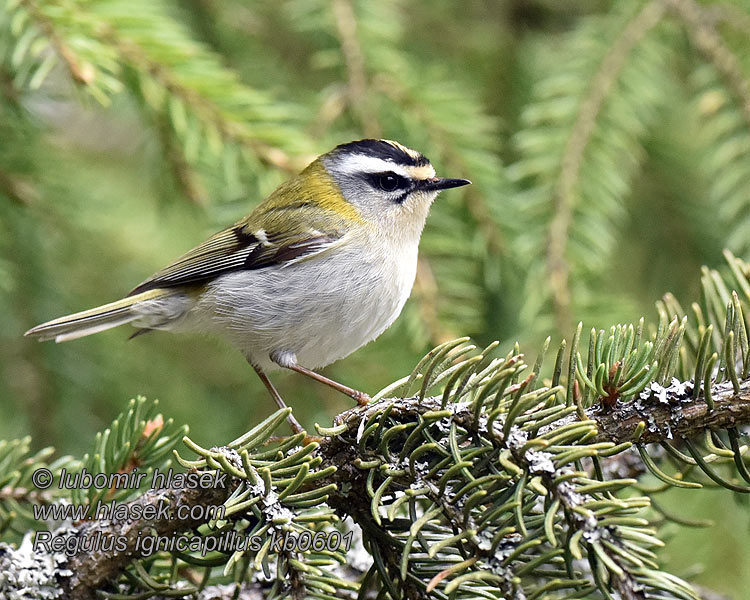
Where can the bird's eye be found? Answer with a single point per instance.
(389, 182)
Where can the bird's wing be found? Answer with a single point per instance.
(241, 247)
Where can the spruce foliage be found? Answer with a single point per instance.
(608, 147)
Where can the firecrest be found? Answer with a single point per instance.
(320, 268)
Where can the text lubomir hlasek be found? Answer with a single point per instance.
(84, 480)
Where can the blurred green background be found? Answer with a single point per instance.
(608, 143)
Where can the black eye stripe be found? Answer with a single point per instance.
(388, 181)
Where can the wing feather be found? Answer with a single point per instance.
(237, 248)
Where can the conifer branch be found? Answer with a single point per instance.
(184, 81)
(674, 416)
(580, 135)
(81, 72)
(671, 414)
(186, 178)
(706, 39)
(206, 109)
(359, 98)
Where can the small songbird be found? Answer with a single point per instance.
(320, 268)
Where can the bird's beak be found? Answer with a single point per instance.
(441, 183)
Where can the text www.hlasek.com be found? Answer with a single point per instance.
(119, 511)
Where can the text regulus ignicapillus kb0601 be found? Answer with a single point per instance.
(320, 268)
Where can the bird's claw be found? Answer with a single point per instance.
(361, 398)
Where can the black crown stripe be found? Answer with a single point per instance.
(383, 150)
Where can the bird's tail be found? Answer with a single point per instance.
(96, 319)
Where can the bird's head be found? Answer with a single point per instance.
(387, 184)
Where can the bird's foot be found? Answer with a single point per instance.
(361, 398)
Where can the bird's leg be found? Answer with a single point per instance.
(293, 423)
(289, 361)
(360, 397)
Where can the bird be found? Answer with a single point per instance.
(318, 269)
